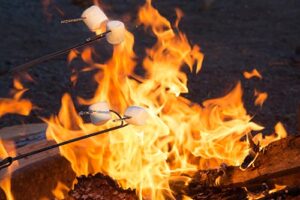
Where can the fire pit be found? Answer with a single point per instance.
(172, 147)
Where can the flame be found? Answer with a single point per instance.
(253, 73)
(16, 105)
(260, 195)
(72, 55)
(60, 190)
(261, 97)
(180, 137)
(264, 141)
(5, 181)
(277, 188)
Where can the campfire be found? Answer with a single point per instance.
(167, 146)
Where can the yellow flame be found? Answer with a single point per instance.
(264, 141)
(5, 181)
(60, 190)
(277, 188)
(180, 137)
(253, 73)
(16, 105)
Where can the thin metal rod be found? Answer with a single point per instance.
(67, 142)
(66, 21)
(44, 58)
(9, 160)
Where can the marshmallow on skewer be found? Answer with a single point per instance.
(100, 113)
(137, 115)
(93, 17)
(117, 34)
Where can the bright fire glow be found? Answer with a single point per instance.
(180, 137)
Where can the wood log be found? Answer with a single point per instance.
(36, 176)
(278, 163)
(23, 130)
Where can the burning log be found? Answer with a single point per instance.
(269, 168)
(279, 163)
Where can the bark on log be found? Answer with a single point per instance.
(279, 163)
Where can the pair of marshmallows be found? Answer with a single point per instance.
(94, 18)
(100, 114)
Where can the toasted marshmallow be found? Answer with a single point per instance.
(117, 34)
(93, 17)
(138, 115)
(100, 113)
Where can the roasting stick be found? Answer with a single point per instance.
(99, 114)
(94, 18)
(44, 58)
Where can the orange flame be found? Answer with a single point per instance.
(16, 105)
(253, 73)
(180, 137)
(261, 97)
(280, 133)
(72, 55)
(5, 181)
(60, 190)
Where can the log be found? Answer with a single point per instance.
(37, 175)
(278, 163)
(24, 130)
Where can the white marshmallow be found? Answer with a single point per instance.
(117, 34)
(138, 115)
(93, 17)
(103, 114)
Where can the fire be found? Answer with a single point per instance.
(16, 105)
(253, 73)
(5, 181)
(60, 190)
(261, 97)
(180, 137)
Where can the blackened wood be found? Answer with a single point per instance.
(278, 163)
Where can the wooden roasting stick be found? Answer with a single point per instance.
(279, 163)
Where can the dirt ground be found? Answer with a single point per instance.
(235, 36)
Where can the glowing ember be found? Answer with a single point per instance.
(180, 137)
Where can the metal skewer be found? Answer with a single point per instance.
(66, 21)
(44, 58)
(9, 160)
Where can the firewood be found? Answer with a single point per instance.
(279, 163)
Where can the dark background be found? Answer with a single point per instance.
(235, 36)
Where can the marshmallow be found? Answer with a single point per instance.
(117, 34)
(93, 17)
(103, 114)
(138, 115)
